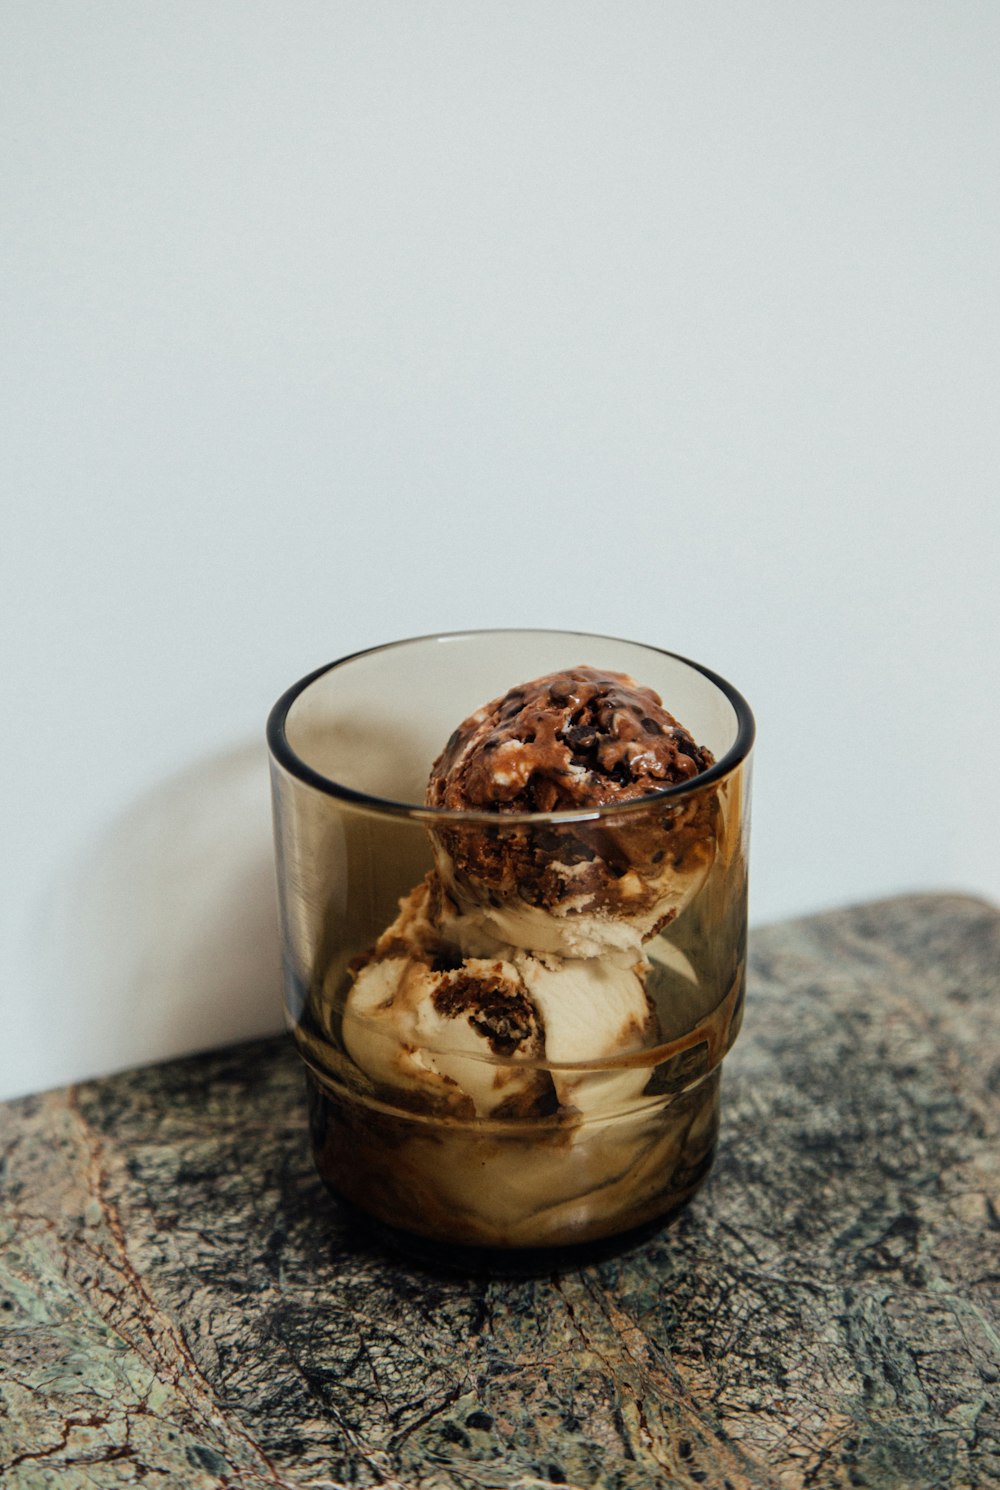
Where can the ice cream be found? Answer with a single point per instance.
(487, 1035)
(573, 741)
(508, 1002)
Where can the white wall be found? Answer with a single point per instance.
(330, 323)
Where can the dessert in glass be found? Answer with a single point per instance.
(512, 874)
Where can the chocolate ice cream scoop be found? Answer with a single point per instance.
(570, 741)
(580, 738)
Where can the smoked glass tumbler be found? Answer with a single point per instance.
(447, 1101)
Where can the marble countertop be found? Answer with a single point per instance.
(181, 1304)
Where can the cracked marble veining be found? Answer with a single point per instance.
(181, 1304)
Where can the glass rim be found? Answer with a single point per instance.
(285, 756)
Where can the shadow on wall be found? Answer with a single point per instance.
(163, 939)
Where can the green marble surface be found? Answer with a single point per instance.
(182, 1305)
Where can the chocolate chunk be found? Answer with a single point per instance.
(503, 1015)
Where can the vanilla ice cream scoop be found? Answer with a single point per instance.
(508, 1034)
(421, 1019)
(569, 742)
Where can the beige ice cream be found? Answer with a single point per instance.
(478, 1036)
(510, 992)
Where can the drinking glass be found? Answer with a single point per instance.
(518, 1146)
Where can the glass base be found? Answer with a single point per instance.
(452, 1258)
(519, 1202)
